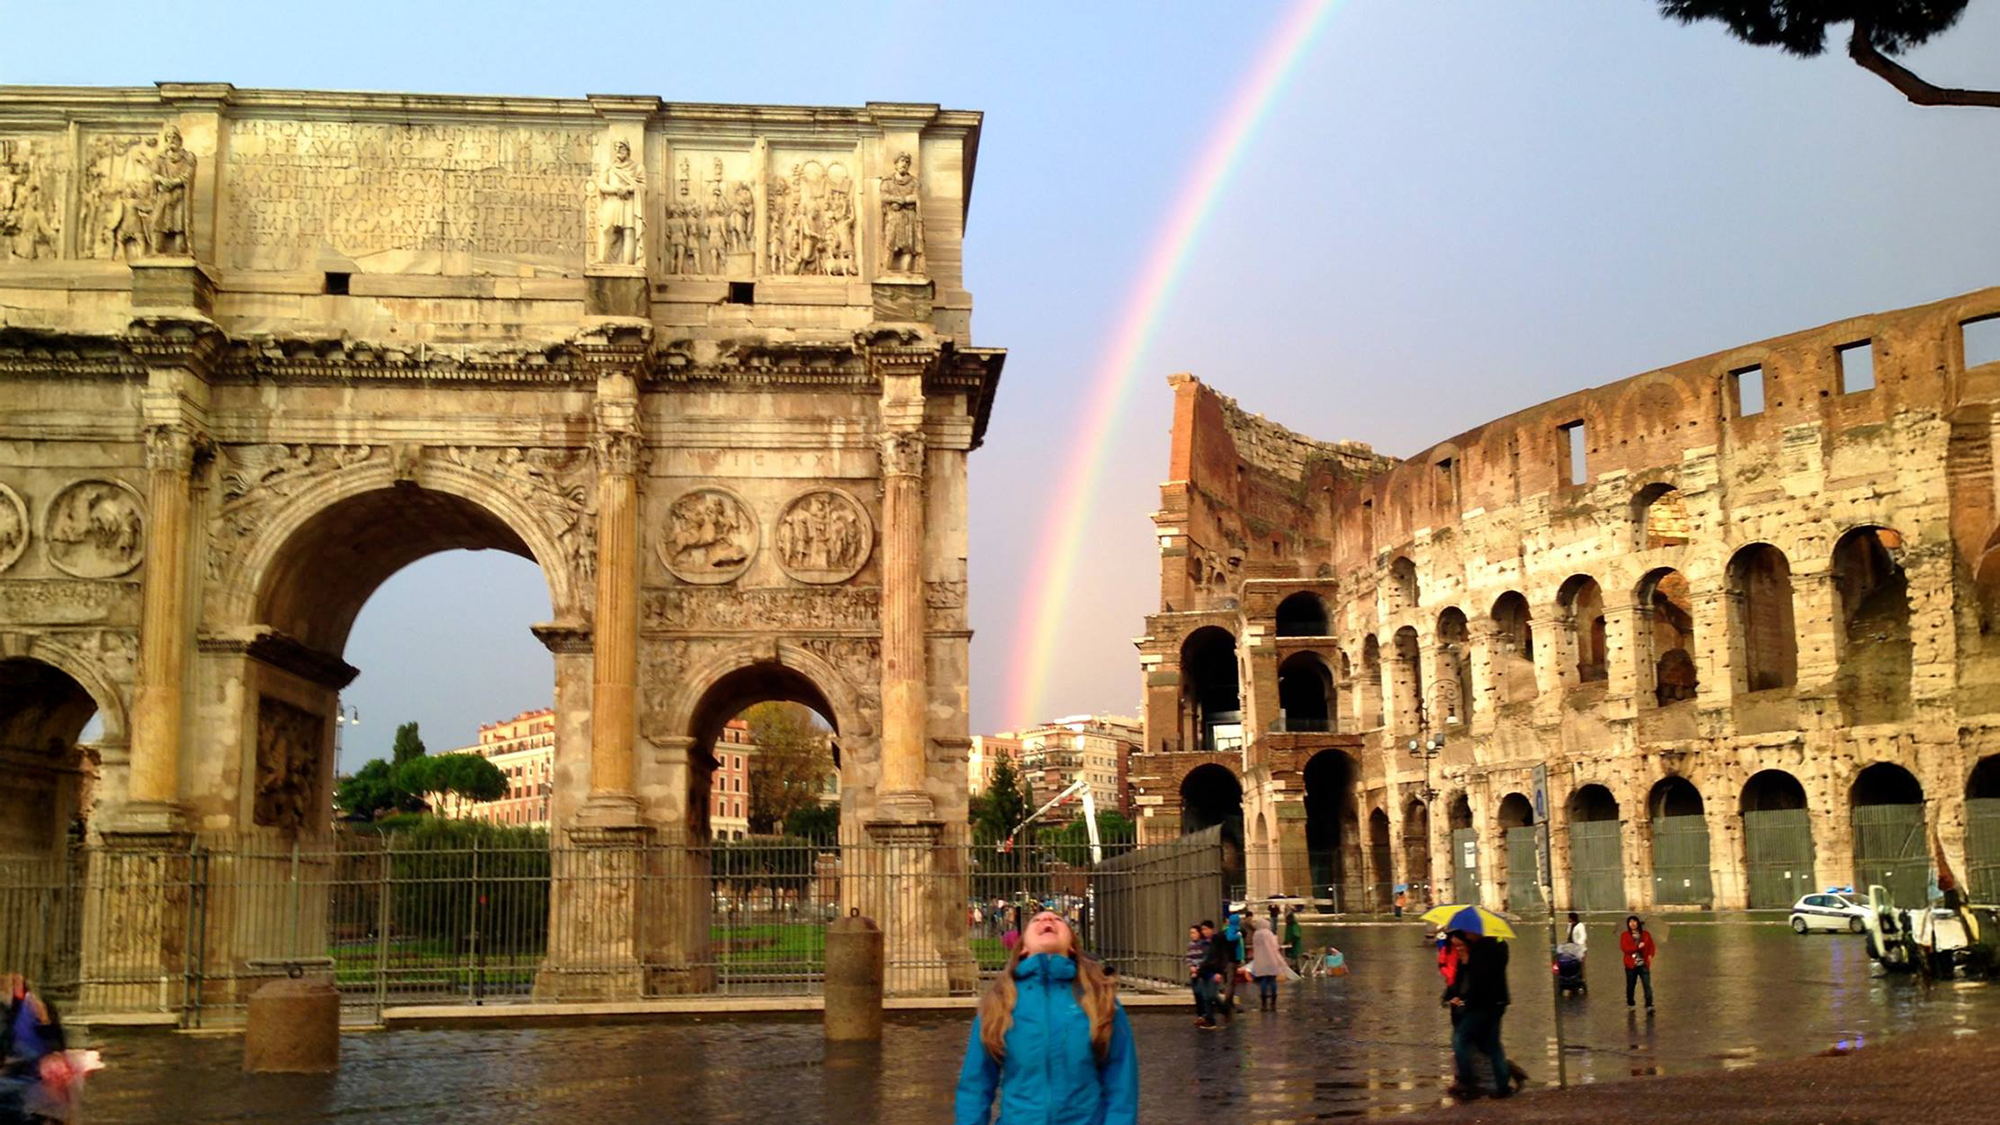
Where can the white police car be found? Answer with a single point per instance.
(1828, 912)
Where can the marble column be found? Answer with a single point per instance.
(905, 687)
(163, 620)
(615, 660)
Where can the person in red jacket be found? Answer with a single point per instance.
(1637, 946)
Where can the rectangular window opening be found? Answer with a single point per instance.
(336, 284)
(1749, 387)
(1857, 367)
(1982, 340)
(1572, 453)
(742, 292)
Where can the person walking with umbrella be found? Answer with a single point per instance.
(1479, 994)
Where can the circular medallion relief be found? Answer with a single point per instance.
(709, 536)
(94, 529)
(13, 527)
(824, 536)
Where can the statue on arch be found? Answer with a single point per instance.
(902, 222)
(173, 184)
(617, 189)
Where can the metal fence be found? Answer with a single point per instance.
(190, 933)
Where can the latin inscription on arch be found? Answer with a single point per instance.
(363, 188)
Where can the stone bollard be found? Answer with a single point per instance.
(294, 1028)
(853, 979)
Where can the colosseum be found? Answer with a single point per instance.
(1737, 614)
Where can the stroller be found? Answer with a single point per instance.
(1569, 969)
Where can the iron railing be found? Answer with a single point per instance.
(189, 933)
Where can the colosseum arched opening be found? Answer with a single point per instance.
(1891, 842)
(1580, 601)
(1464, 857)
(1380, 863)
(1760, 592)
(1212, 797)
(1454, 669)
(1874, 639)
(1680, 844)
(1777, 840)
(1417, 849)
(1303, 615)
(1211, 700)
(1519, 842)
(1333, 826)
(1666, 638)
(1596, 853)
(1514, 644)
(1307, 701)
(1982, 830)
(1373, 690)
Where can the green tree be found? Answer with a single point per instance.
(789, 765)
(436, 779)
(816, 822)
(1072, 841)
(1880, 29)
(368, 793)
(1004, 804)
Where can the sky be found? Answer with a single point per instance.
(1454, 210)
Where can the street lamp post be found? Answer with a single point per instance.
(1427, 747)
(343, 717)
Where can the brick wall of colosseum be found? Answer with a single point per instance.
(1662, 589)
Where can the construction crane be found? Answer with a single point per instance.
(1089, 819)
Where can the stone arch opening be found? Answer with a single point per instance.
(1666, 628)
(1873, 596)
(1374, 693)
(1403, 593)
(1777, 840)
(1454, 672)
(1581, 602)
(1596, 851)
(1417, 849)
(1986, 584)
(1464, 849)
(1514, 649)
(1982, 830)
(1381, 891)
(1409, 685)
(1661, 515)
(1332, 823)
(1211, 797)
(766, 701)
(1891, 839)
(312, 578)
(1521, 844)
(1306, 694)
(1760, 597)
(1303, 615)
(1680, 844)
(1211, 701)
(47, 774)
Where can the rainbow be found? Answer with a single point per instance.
(1060, 546)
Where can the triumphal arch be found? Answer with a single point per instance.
(709, 367)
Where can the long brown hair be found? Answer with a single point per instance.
(1096, 994)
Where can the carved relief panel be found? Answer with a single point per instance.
(94, 529)
(34, 183)
(13, 527)
(708, 537)
(115, 199)
(710, 215)
(813, 203)
(823, 536)
(289, 741)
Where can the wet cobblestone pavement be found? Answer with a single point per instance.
(1372, 1042)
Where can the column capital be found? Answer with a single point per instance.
(902, 452)
(177, 447)
(618, 451)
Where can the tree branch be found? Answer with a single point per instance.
(1920, 92)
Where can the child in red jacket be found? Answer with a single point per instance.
(1637, 946)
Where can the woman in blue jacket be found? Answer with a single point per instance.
(1051, 1039)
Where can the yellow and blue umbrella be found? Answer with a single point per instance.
(1471, 919)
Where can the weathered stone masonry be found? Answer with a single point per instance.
(710, 367)
(1755, 648)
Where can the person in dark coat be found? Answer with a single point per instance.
(33, 1073)
(1216, 967)
(1479, 992)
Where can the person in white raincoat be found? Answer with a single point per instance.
(1267, 964)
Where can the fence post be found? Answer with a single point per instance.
(478, 981)
(382, 910)
(292, 904)
(197, 937)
